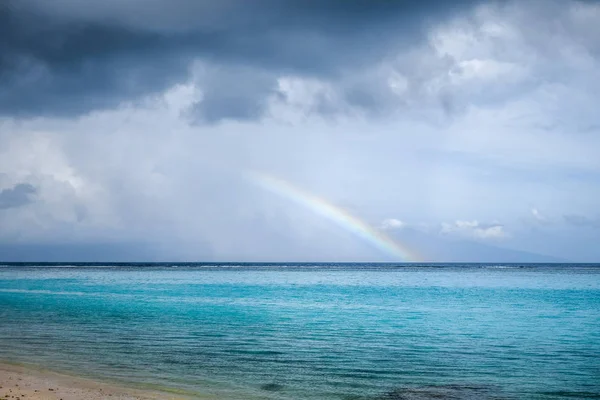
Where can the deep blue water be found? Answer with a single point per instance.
(336, 331)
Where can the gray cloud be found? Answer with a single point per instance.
(72, 56)
(233, 93)
(17, 196)
(581, 221)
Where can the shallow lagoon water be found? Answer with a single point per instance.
(342, 331)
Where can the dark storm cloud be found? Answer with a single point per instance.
(17, 196)
(50, 67)
(67, 57)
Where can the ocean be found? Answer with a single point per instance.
(312, 331)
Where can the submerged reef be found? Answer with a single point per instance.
(444, 392)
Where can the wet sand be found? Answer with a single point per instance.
(18, 382)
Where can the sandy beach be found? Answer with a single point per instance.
(18, 382)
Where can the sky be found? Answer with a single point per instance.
(463, 131)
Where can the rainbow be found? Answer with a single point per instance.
(335, 214)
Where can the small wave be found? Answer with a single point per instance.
(36, 291)
(65, 293)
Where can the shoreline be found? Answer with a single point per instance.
(29, 382)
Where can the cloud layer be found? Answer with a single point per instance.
(130, 122)
(61, 59)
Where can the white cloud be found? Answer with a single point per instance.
(538, 217)
(474, 230)
(392, 224)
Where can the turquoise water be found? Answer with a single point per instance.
(348, 332)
